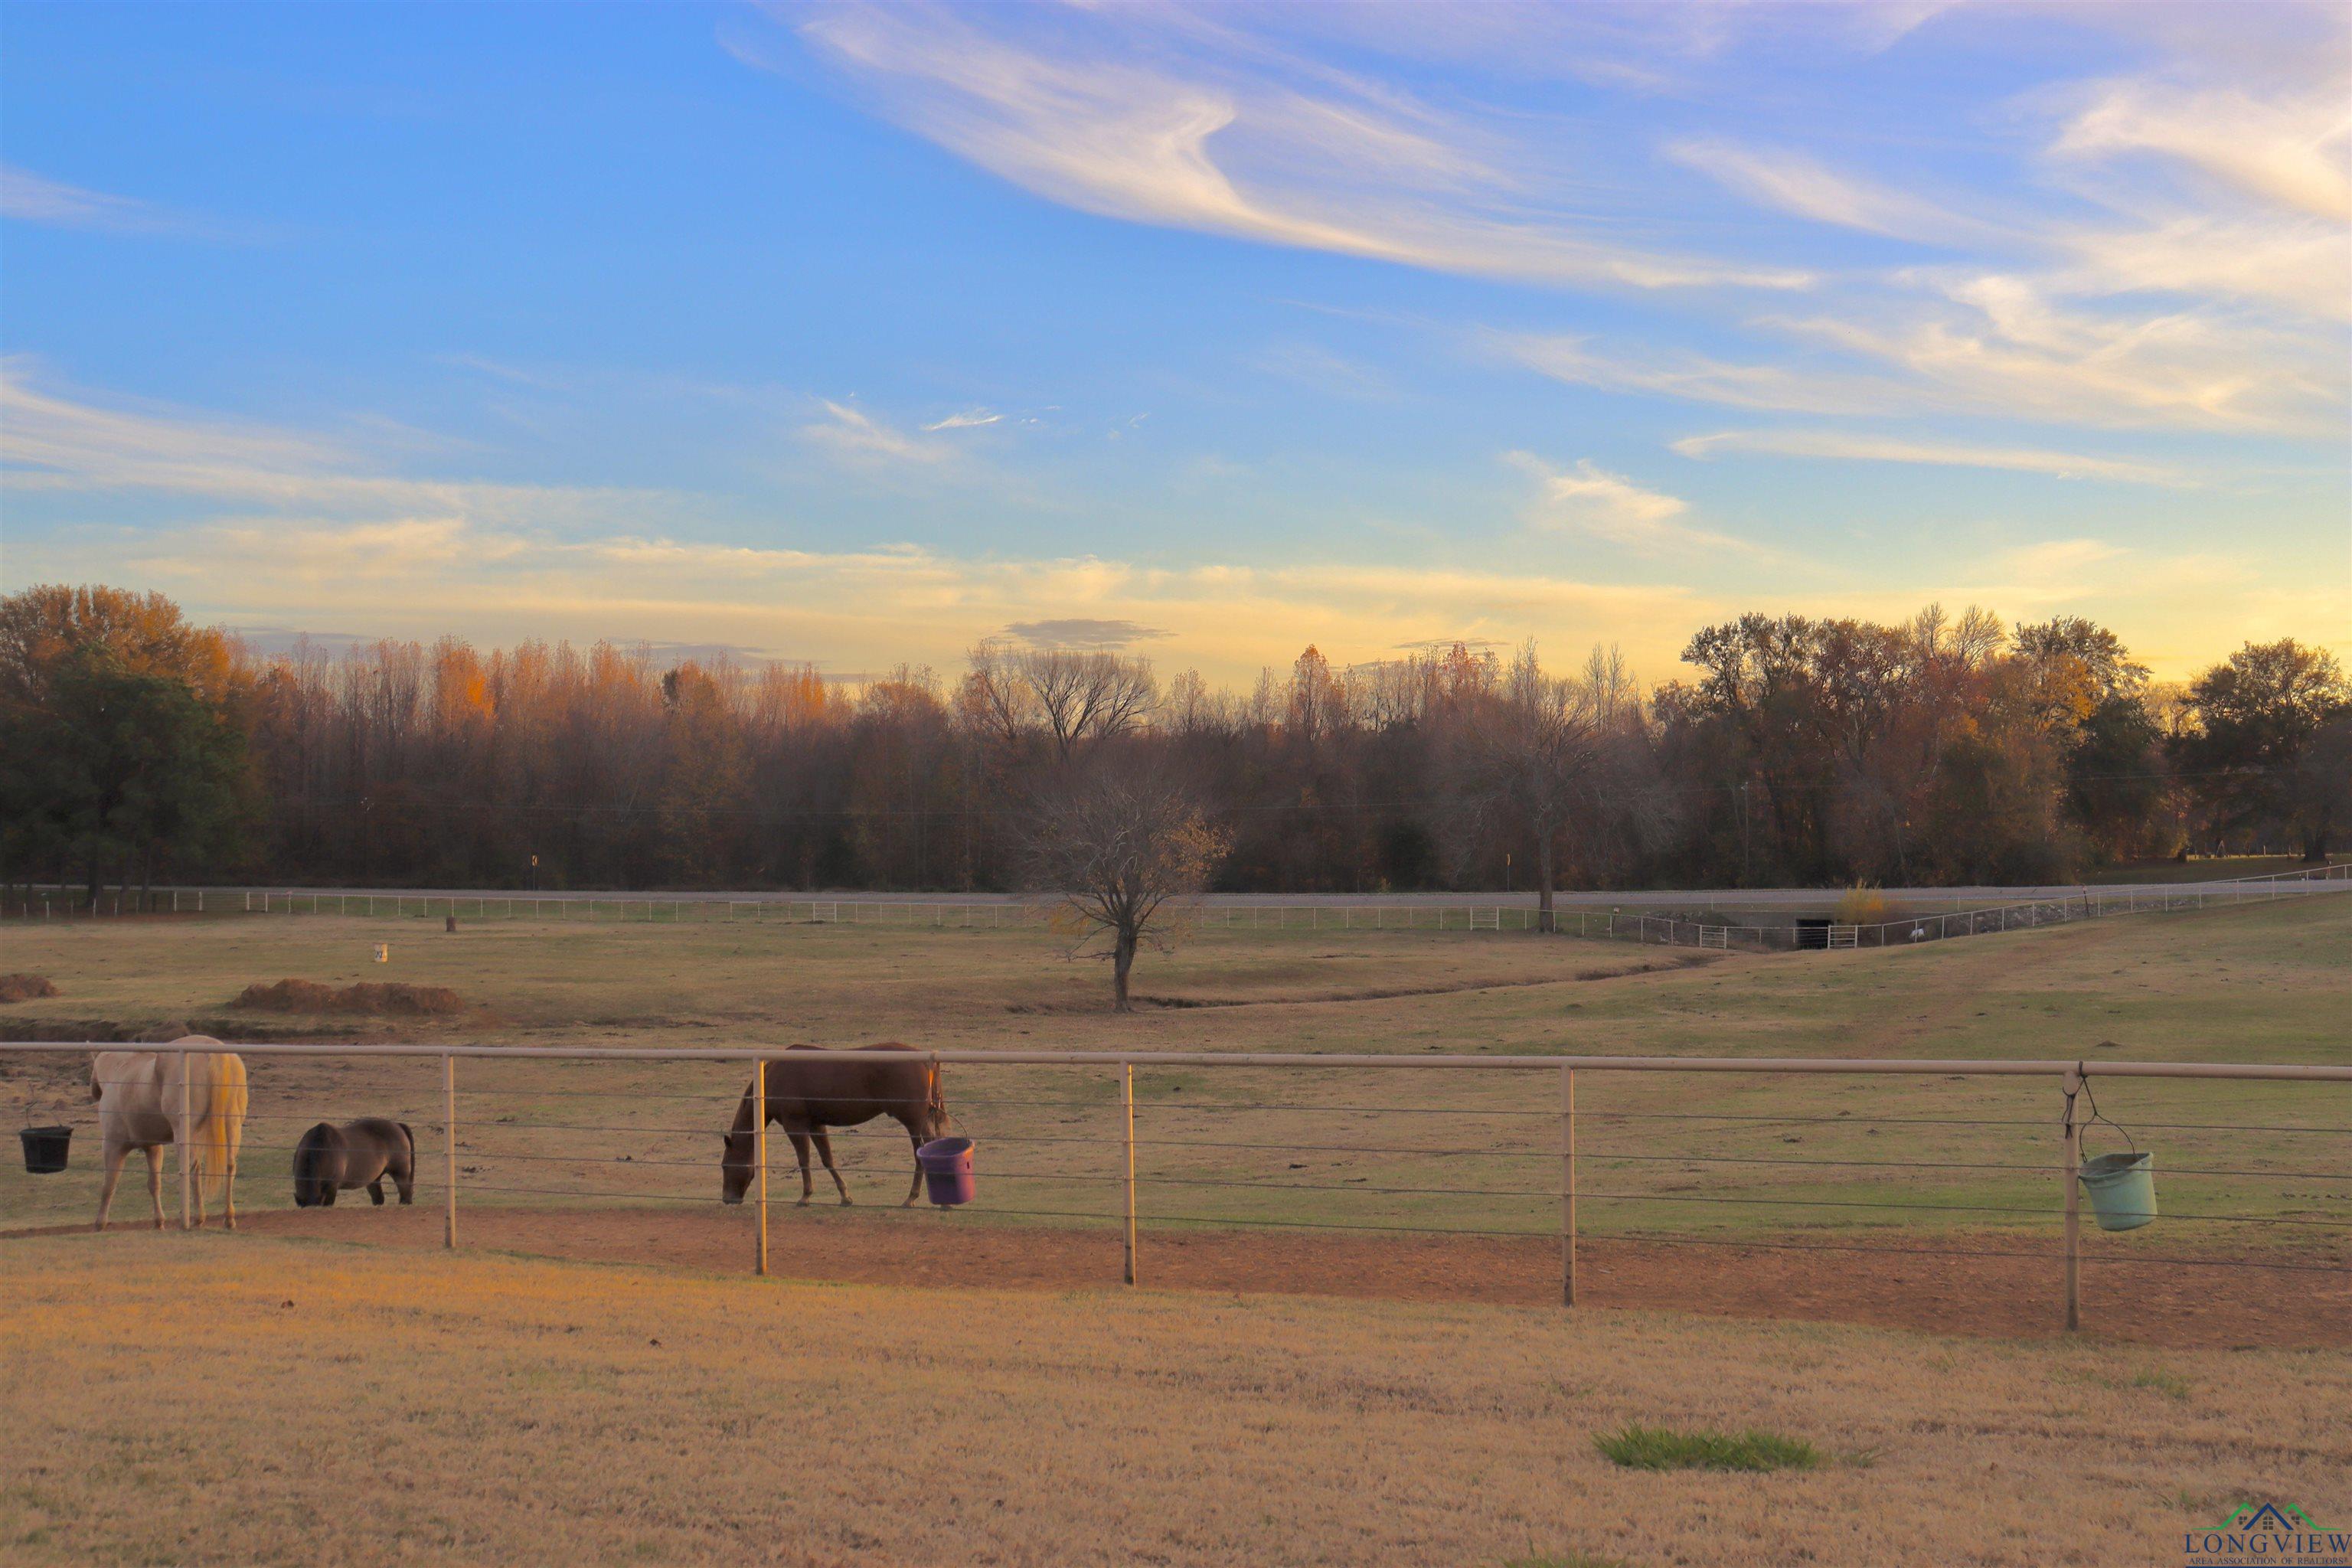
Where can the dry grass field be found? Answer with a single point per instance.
(292, 1393)
(208, 1400)
(1729, 1156)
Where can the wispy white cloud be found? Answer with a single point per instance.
(1865, 447)
(2289, 151)
(970, 419)
(1588, 499)
(28, 197)
(2213, 190)
(1991, 343)
(1798, 388)
(1796, 183)
(2302, 265)
(2003, 342)
(851, 433)
(61, 442)
(1312, 365)
(1206, 140)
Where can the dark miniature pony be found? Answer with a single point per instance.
(362, 1153)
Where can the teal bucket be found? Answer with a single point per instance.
(2122, 1189)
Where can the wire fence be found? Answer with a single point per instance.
(1725, 932)
(1780, 1155)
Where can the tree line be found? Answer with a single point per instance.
(136, 747)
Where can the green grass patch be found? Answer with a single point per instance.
(1664, 1449)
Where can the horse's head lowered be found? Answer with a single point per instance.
(735, 1166)
(315, 1178)
(738, 1164)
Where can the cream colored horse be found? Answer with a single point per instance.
(140, 1097)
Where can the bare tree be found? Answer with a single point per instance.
(1628, 815)
(1120, 844)
(1532, 754)
(1068, 698)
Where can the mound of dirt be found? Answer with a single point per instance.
(395, 1000)
(24, 987)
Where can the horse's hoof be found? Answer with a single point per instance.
(801, 1205)
(845, 1202)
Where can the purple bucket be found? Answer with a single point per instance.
(947, 1170)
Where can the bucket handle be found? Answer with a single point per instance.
(2082, 1076)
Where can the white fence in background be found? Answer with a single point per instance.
(51, 902)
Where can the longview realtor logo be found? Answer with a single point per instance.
(2277, 1534)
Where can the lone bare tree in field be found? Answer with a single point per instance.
(1121, 845)
(1534, 749)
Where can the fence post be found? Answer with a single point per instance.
(2073, 1164)
(448, 1149)
(760, 1152)
(188, 1146)
(1126, 1106)
(1567, 1187)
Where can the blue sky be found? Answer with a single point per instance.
(857, 335)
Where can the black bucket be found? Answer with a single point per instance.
(45, 1149)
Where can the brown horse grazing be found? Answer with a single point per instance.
(362, 1153)
(811, 1088)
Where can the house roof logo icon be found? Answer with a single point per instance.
(2287, 1519)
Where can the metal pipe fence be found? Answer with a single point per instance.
(1139, 1141)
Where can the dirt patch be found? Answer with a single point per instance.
(397, 999)
(135, 1031)
(1966, 1284)
(1390, 994)
(24, 987)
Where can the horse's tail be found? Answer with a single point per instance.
(410, 1133)
(220, 1129)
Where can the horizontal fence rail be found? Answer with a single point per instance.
(1723, 934)
(1136, 1140)
(1943, 1066)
